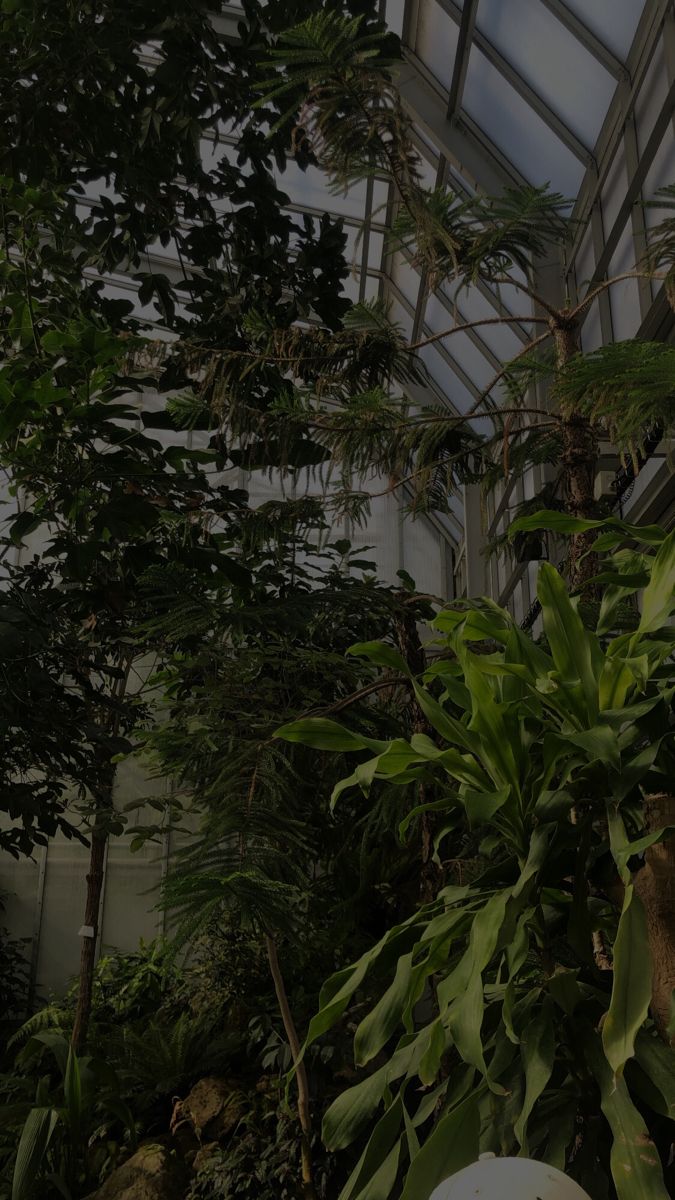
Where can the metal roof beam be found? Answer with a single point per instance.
(466, 34)
(649, 31)
(635, 186)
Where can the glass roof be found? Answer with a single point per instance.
(535, 91)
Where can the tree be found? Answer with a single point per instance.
(267, 853)
(112, 499)
(353, 122)
(511, 1014)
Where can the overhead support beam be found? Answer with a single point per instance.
(634, 188)
(466, 34)
(649, 31)
(588, 39)
(459, 140)
(515, 80)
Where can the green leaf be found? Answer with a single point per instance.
(431, 1059)
(537, 1052)
(657, 1061)
(373, 1169)
(570, 642)
(352, 1109)
(453, 731)
(634, 1160)
(631, 985)
(324, 734)
(381, 654)
(24, 524)
(451, 1146)
(600, 743)
(658, 599)
(466, 984)
(36, 1136)
(482, 806)
(381, 1022)
(558, 522)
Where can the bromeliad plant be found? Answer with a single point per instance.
(527, 1008)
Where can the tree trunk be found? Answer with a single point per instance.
(578, 460)
(655, 885)
(99, 841)
(412, 651)
(304, 1115)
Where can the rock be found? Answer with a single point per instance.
(203, 1157)
(214, 1107)
(152, 1173)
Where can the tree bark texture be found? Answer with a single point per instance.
(655, 885)
(578, 460)
(99, 841)
(304, 1114)
(411, 649)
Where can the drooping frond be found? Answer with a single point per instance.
(627, 388)
(351, 113)
(480, 236)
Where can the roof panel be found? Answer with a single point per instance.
(517, 130)
(613, 21)
(548, 56)
(436, 41)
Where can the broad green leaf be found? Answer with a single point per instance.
(658, 598)
(472, 625)
(615, 682)
(453, 731)
(382, 1020)
(451, 1145)
(25, 523)
(558, 522)
(570, 642)
(465, 984)
(325, 734)
(499, 751)
(379, 1148)
(379, 1185)
(537, 1052)
(482, 806)
(352, 1109)
(339, 989)
(431, 1059)
(631, 984)
(461, 767)
(631, 575)
(657, 1060)
(36, 1136)
(600, 744)
(485, 930)
(634, 1160)
(381, 654)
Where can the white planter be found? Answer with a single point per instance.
(505, 1178)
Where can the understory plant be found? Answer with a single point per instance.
(267, 857)
(528, 1008)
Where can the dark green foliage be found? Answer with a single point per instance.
(497, 1014)
(625, 389)
(14, 978)
(263, 1162)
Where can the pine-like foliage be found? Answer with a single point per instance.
(625, 388)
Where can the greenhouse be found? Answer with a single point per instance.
(337, 387)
